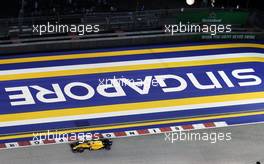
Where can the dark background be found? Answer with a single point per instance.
(14, 8)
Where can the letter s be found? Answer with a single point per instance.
(228, 28)
(255, 79)
(96, 28)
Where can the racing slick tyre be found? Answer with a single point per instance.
(80, 150)
(72, 146)
(107, 144)
(74, 151)
(107, 147)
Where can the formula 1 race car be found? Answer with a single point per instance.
(79, 147)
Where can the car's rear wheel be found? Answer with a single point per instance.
(74, 151)
(80, 150)
(107, 147)
(72, 147)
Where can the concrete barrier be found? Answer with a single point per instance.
(117, 41)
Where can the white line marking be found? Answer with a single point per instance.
(128, 63)
(132, 112)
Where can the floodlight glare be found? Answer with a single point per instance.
(190, 2)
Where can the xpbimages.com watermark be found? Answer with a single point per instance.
(125, 81)
(212, 137)
(56, 135)
(212, 29)
(80, 29)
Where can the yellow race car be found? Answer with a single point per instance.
(79, 147)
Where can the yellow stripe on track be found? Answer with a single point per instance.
(129, 52)
(128, 68)
(140, 124)
(129, 106)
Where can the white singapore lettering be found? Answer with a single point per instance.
(226, 79)
(212, 77)
(135, 85)
(102, 89)
(42, 92)
(239, 74)
(25, 95)
(68, 92)
(161, 80)
(114, 89)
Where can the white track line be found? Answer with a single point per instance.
(132, 112)
(128, 63)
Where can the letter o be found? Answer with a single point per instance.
(68, 87)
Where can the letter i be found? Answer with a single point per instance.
(226, 79)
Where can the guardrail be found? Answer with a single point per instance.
(128, 39)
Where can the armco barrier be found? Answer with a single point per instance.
(105, 42)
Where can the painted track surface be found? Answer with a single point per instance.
(246, 147)
(172, 103)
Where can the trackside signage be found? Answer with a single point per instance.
(129, 87)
